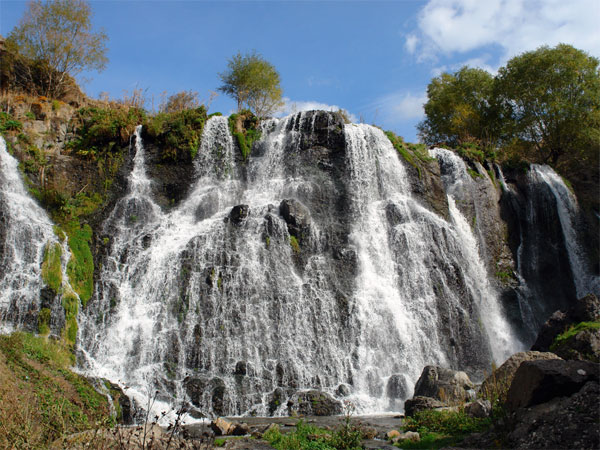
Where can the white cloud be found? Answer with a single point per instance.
(411, 43)
(293, 106)
(515, 26)
(400, 106)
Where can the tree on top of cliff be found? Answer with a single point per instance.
(253, 82)
(550, 99)
(58, 35)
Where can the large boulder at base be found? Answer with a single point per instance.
(497, 384)
(540, 381)
(417, 403)
(314, 403)
(479, 408)
(564, 422)
(585, 309)
(446, 385)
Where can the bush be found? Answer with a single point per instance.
(307, 437)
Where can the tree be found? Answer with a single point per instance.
(550, 100)
(254, 83)
(458, 109)
(58, 34)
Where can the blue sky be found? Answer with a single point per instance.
(372, 58)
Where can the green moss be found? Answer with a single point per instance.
(51, 267)
(572, 331)
(294, 244)
(70, 304)
(414, 154)
(474, 174)
(80, 268)
(44, 321)
(244, 127)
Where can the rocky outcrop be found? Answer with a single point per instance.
(442, 384)
(497, 384)
(314, 403)
(418, 403)
(540, 381)
(585, 309)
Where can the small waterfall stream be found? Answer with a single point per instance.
(25, 231)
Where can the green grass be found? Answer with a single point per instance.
(430, 441)
(41, 399)
(414, 154)
(70, 304)
(451, 423)
(51, 267)
(308, 437)
(572, 331)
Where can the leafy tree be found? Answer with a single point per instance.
(458, 109)
(550, 100)
(181, 101)
(58, 34)
(254, 83)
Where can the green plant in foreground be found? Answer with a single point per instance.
(450, 423)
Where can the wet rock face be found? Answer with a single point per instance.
(443, 384)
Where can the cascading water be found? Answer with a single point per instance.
(235, 308)
(25, 231)
(567, 208)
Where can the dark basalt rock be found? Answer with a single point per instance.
(540, 381)
(584, 346)
(296, 215)
(238, 214)
(396, 386)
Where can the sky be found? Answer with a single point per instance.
(371, 58)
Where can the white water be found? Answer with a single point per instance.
(27, 231)
(567, 207)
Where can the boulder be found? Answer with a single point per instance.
(418, 403)
(393, 434)
(314, 403)
(397, 386)
(409, 436)
(296, 215)
(564, 422)
(221, 427)
(479, 408)
(238, 214)
(540, 381)
(343, 390)
(585, 345)
(496, 385)
(446, 385)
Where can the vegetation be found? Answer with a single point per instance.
(543, 106)
(51, 267)
(307, 437)
(442, 428)
(41, 400)
(294, 244)
(414, 154)
(244, 127)
(58, 37)
(80, 268)
(254, 83)
(572, 331)
(178, 133)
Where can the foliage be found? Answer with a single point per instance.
(550, 100)
(44, 321)
(572, 331)
(244, 127)
(70, 303)
(414, 154)
(41, 400)
(181, 101)
(7, 123)
(178, 133)
(294, 244)
(308, 437)
(51, 267)
(453, 423)
(58, 36)
(253, 82)
(458, 109)
(80, 268)
(429, 440)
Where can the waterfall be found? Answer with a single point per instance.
(25, 231)
(567, 209)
